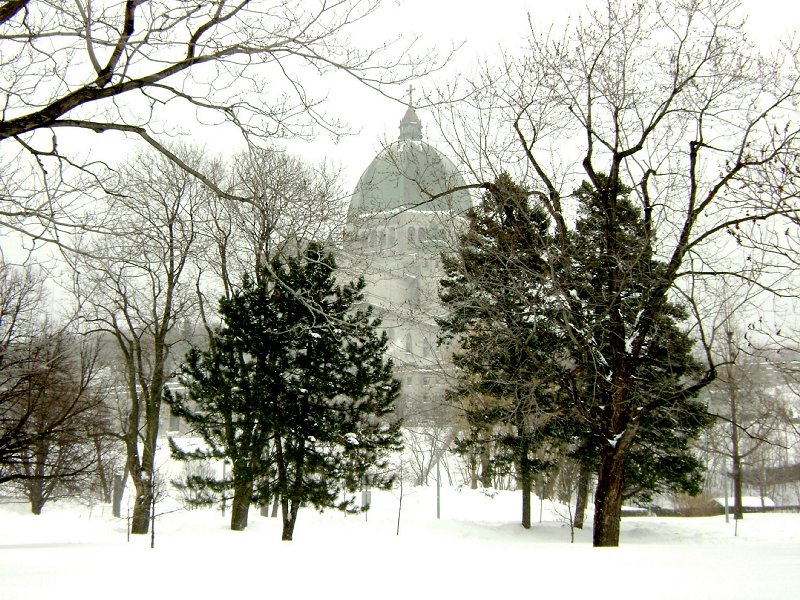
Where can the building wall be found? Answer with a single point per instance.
(398, 254)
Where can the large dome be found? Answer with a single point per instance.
(406, 174)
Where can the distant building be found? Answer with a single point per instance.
(402, 215)
(399, 221)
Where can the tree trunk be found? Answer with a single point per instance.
(738, 511)
(102, 474)
(291, 495)
(486, 467)
(289, 512)
(37, 496)
(525, 481)
(271, 512)
(473, 471)
(584, 475)
(118, 492)
(240, 505)
(143, 476)
(148, 397)
(736, 459)
(140, 521)
(526, 485)
(608, 495)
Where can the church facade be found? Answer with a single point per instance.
(401, 217)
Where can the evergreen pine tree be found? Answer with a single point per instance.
(229, 390)
(333, 426)
(528, 385)
(508, 342)
(669, 417)
(297, 392)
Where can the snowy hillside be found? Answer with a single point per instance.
(476, 550)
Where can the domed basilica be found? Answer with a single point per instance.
(399, 221)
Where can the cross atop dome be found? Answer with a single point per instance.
(410, 91)
(410, 125)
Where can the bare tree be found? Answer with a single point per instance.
(748, 399)
(427, 445)
(289, 203)
(49, 393)
(109, 453)
(21, 291)
(130, 69)
(65, 402)
(670, 99)
(749, 396)
(135, 286)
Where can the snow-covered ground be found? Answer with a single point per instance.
(476, 550)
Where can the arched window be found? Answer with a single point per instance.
(423, 235)
(412, 235)
(409, 343)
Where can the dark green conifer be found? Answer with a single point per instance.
(668, 417)
(538, 334)
(296, 392)
(508, 339)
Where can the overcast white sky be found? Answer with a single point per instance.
(482, 27)
(479, 27)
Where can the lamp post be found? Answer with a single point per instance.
(438, 490)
